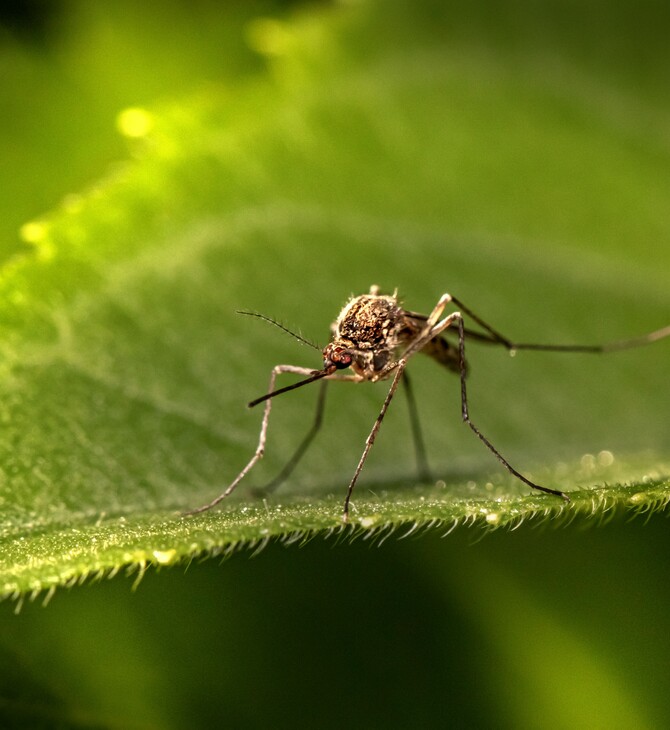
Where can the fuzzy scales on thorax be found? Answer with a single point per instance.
(371, 322)
(373, 327)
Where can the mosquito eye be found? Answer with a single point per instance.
(338, 356)
(342, 359)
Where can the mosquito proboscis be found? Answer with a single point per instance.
(373, 339)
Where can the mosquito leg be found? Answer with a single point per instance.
(300, 451)
(466, 417)
(432, 329)
(495, 337)
(417, 435)
(400, 368)
(258, 454)
(636, 341)
(435, 329)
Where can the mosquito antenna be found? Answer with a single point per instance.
(316, 375)
(281, 327)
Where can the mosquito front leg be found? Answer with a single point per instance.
(258, 454)
(304, 445)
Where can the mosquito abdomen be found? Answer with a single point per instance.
(444, 352)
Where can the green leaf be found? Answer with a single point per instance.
(412, 161)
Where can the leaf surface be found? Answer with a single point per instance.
(417, 162)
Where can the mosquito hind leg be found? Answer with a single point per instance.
(494, 337)
(465, 415)
(435, 329)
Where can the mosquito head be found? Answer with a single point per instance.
(336, 354)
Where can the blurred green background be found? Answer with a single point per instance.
(559, 152)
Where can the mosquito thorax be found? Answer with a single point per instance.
(366, 334)
(369, 322)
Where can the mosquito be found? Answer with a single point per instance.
(372, 339)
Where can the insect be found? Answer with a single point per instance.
(373, 338)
